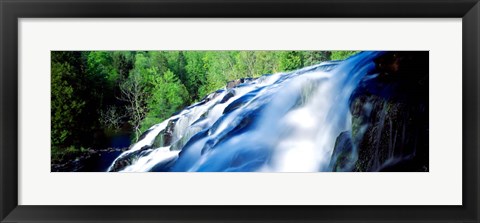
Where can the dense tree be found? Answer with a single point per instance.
(139, 85)
(342, 55)
(181, 67)
(168, 96)
(246, 62)
(98, 93)
(196, 71)
(218, 66)
(315, 57)
(66, 105)
(291, 60)
(267, 62)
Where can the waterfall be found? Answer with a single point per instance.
(283, 122)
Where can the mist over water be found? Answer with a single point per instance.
(283, 122)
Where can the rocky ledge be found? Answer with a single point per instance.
(389, 118)
(91, 160)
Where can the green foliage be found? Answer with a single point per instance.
(291, 60)
(196, 71)
(342, 55)
(66, 105)
(266, 63)
(168, 96)
(100, 64)
(246, 61)
(315, 57)
(99, 92)
(181, 63)
(219, 68)
(123, 62)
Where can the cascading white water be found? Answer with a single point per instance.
(284, 122)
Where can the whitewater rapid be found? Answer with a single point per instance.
(283, 122)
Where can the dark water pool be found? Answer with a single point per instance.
(98, 162)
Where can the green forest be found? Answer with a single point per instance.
(98, 94)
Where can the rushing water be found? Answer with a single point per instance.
(284, 122)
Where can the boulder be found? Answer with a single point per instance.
(343, 157)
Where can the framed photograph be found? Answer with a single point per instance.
(233, 111)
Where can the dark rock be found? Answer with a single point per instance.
(239, 102)
(390, 114)
(130, 158)
(343, 157)
(207, 98)
(236, 83)
(165, 137)
(227, 96)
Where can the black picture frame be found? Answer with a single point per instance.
(11, 11)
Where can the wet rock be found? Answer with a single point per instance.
(165, 137)
(91, 160)
(239, 102)
(130, 158)
(207, 98)
(343, 157)
(390, 113)
(227, 97)
(236, 83)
